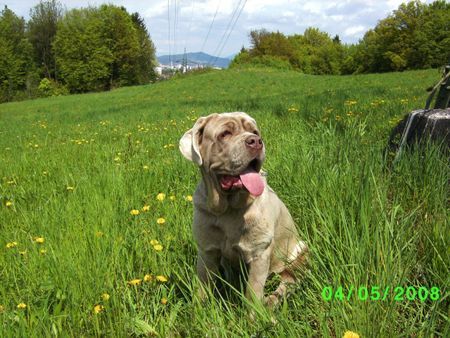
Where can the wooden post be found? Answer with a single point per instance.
(443, 96)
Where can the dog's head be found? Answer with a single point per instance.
(228, 148)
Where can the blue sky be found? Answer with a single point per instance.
(191, 20)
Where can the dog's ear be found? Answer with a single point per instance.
(190, 142)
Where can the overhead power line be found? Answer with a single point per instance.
(225, 32)
(231, 24)
(175, 25)
(210, 26)
(169, 36)
(190, 24)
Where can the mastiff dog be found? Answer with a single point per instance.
(238, 219)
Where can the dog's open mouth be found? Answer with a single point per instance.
(249, 179)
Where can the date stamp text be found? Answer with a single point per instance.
(377, 293)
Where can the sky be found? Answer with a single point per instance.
(221, 27)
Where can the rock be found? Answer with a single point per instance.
(418, 127)
(433, 123)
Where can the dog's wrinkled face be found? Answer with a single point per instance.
(229, 147)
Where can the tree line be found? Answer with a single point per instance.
(60, 52)
(415, 36)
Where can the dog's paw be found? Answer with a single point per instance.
(271, 301)
(202, 295)
(252, 316)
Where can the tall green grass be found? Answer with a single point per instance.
(73, 168)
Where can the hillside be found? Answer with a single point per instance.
(96, 210)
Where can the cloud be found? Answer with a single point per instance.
(190, 20)
(354, 31)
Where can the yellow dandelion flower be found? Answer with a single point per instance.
(136, 281)
(43, 251)
(160, 220)
(350, 334)
(105, 297)
(154, 242)
(98, 308)
(8, 204)
(163, 301)
(70, 188)
(39, 240)
(188, 198)
(158, 247)
(148, 278)
(161, 196)
(134, 212)
(146, 208)
(172, 197)
(161, 279)
(21, 306)
(11, 245)
(145, 167)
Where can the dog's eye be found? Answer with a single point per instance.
(225, 134)
(256, 132)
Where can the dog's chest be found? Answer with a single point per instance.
(245, 237)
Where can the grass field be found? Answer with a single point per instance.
(95, 209)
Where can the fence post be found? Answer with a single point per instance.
(443, 96)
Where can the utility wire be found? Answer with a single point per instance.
(210, 26)
(225, 32)
(190, 24)
(175, 26)
(168, 40)
(229, 33)
(226, 29)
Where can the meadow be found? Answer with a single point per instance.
(96, 209)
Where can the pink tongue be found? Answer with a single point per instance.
(253, 182)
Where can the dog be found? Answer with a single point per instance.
(238, 218)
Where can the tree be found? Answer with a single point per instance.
(82, 56)
(414, 36)
(16, 65)
(314, 52)
(121, 39)
(431, 41)
(103, 48)
(146, 60)
(42, 27)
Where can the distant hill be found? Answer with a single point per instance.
(195, 59)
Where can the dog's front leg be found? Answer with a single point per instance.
(257, 276)
(207, 270)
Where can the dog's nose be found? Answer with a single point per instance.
(254, 142)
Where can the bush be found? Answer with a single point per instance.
(263, 61)
(49, 87)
